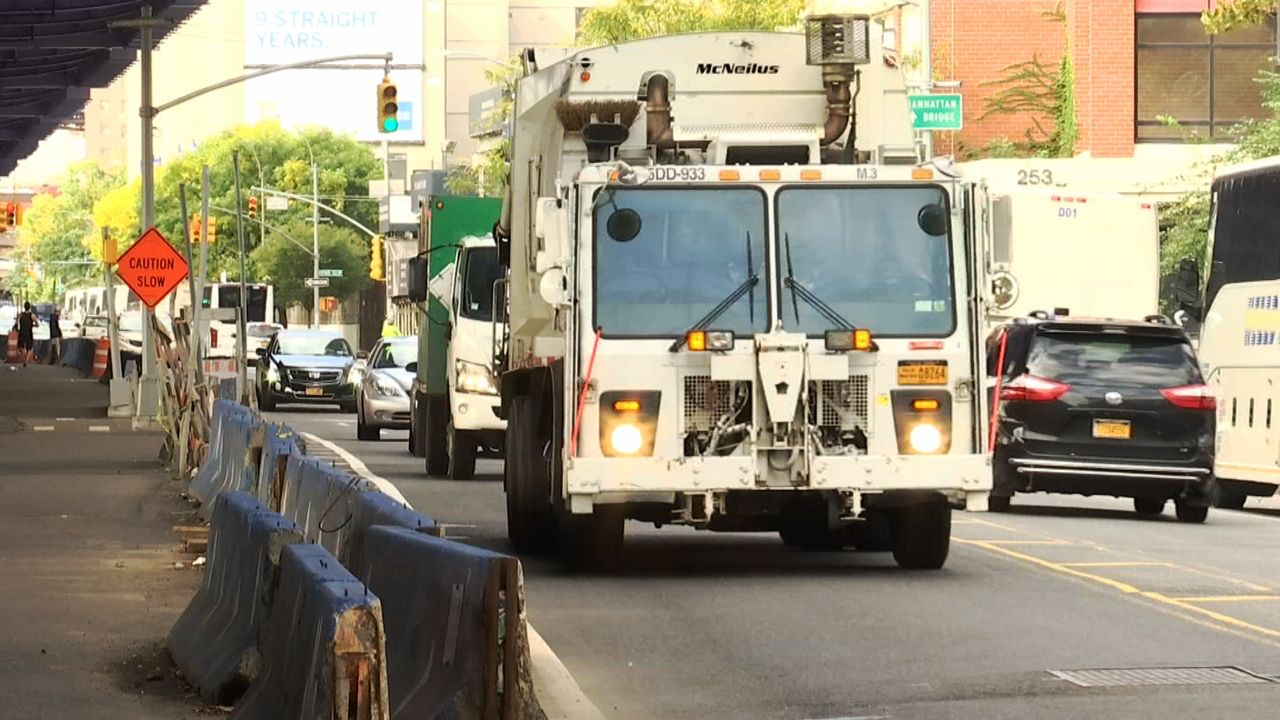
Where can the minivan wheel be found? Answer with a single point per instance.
(1149, 505)
(1189, 513)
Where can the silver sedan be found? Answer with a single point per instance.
(382, 392)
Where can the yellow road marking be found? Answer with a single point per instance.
(1116, 564)
(1232, 624)
(1015, 542)
(1229, 598)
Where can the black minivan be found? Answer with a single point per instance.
(1102, 407)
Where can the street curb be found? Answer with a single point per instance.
(557, 692)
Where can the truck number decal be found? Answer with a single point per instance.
(1068, 212)
(867, 173)
(663, 172)
(1035, 177)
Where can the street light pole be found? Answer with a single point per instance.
(315, 233)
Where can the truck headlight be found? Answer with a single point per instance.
(925, 439)
(474, 378)
(628, 422)
(626, 439)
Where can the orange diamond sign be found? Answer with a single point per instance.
(152, 268)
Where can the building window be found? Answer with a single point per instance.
(1205, 82)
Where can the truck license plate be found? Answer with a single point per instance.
(922, 372)
(315, 391)
(1111, 429)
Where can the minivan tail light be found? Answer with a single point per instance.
(1191, 397)
(1030, 388)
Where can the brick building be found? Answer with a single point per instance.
(1135, 62)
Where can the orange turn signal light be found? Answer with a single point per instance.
(921, 174)
(861, 339)
(924, 404)
(768, 175)
(810, 174)
(730, 175)
(626, 405)
(697, 341)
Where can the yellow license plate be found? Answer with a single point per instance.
(918, 372)
(1111, 429)
(315, 391)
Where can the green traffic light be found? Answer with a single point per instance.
(390, 124)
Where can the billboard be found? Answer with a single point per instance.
(288, 31)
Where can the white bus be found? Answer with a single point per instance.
(1240, 333)
(261, 318)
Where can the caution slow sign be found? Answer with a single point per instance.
(152, 268)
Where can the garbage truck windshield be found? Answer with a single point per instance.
(665, 257)
(878, 256)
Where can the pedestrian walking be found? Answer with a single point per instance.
(55, 336)
(25, 324)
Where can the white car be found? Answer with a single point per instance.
(131, 329)
(94, 327)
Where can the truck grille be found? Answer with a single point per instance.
(841, 403)
(705, 400)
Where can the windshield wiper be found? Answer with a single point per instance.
(804, 293)
(747, 286)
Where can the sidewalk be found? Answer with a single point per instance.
(88, 587)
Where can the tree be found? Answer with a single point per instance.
(58, 234)
(634, 19)
(285, 261)
(1229, 14)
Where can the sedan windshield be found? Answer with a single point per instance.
(693, 249)
(396, 354)
(313, 345)
(878, 256)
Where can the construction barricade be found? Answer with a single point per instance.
(78, 353)
(279, 442)
(215, 640)
(101, 358)
(457, 645)
(324, 650)
(231, 464)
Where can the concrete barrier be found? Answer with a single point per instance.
(324, 650)
(457, 645)
(78, 353)
(237, 437)
(215, 640)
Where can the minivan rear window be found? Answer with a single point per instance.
(1121, 360)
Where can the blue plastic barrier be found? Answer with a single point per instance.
(229, 464)
(279, 443)
(227, 389)
(320, 498)
(78, 353)
(324, 650)
(378, 508)
(215, 639)
(448, 609)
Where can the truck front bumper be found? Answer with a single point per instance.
(473, 411)
(967, 478)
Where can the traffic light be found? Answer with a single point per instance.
(375, 259)
(213, 229)
(253, 208)
(11, 214)
(193, 228)
(388, 108)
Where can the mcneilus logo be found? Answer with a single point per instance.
(731, 69)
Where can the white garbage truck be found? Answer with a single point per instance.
(737, 299)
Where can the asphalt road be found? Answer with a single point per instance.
(702, 625)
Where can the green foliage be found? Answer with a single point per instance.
(59, 229)
(634, 19)
(284, 260)
(1044, 96)
(1230, 14)
(1185, 223)
(277, 158)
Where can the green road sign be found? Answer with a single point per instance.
(936, 112)
(335, 272)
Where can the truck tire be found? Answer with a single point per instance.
(526, 476)
(434, 447)
(922, 534)
(593, 542)
(461, 446)
(415, 445)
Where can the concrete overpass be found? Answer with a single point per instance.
(52, 52)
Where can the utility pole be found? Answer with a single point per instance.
(315, 240)
(242, 324)
(149, 387)
(204, 253)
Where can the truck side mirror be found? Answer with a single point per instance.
(416, 277)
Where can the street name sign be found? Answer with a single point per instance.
(317, 282)
(330, 272)
(936, 112)
(152, 268)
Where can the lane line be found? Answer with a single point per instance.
(1230, 598)
(358, 467)
(66, 419)
(42, 428)
(1222, 622)
(1116, 564)
(99, 428)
